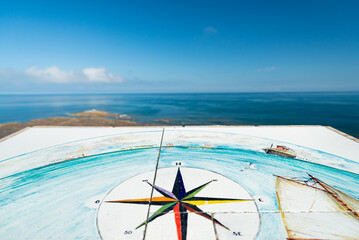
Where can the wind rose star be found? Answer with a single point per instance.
(180, 202)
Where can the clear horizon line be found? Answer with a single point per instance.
(209, 92)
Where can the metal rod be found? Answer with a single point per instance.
(214, 227)
(153, 184)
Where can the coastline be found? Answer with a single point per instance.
(9, 128)
(99, 118)
(338, 110)
(91, 118)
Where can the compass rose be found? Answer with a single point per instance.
(180, 202)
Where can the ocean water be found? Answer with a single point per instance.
(337, 109)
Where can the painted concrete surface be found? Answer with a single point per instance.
(212, 183)
(316, 137)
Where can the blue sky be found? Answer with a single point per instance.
(178, 46)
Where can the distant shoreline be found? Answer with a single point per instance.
(98, 118)
(339, 110)
(89, 118)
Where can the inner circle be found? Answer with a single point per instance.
(186, 201)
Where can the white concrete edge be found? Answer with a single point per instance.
(176, 126)
(343, 134)
(14, 134)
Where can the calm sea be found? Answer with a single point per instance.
(337, 109)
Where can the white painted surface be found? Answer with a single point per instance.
(315, 137)
(117, 220)
(77, 187)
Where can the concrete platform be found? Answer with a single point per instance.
(212, 182)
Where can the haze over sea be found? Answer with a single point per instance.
(337, 109)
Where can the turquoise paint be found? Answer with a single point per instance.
(58, 201)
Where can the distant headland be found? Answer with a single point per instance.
(86, 118)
